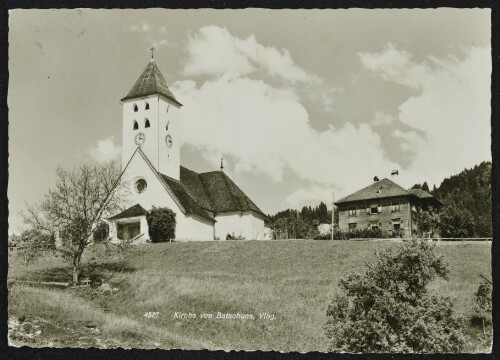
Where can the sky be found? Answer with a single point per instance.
(303, 105)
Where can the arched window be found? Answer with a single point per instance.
(146, 124)
(168, 123)
(136, 108)
(147, 106)
(136, 125)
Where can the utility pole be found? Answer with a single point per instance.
(333, 210)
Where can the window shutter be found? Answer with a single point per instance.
(368, 209)
(379, 208)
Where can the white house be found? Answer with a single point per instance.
(208, 205)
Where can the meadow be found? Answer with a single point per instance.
(290, 281)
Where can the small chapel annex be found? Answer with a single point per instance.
(208, 205)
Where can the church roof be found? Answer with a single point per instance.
(224, 194)
(133, 211)
(151, 82)
(186, 199)
(211, 192)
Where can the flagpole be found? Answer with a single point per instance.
(333, 210)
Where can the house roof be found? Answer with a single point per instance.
(422, 194)
(133, 211)
(151, 82)
(379, 189)
(386, 188)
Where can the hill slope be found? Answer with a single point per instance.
(290, 280)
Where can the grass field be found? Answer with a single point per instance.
(292, 280)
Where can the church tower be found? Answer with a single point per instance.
(151, 122)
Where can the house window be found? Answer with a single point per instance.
(146, 123)
(147, 106)
(396, 224)
(136, 125)
(352, 226)
(136, 108)
(395, 206)
(374, 209)
(374, 225)
(352, 211)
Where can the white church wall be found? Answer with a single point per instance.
(194, 228)
(154, 195)
(253, 226)
(239, 224)
(227, 223)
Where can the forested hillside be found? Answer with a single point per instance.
(468, 193)
(467, 210)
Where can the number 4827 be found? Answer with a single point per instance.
(151, 315)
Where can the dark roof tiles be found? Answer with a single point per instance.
(151, 82)
(386, 188)
(215, 192)
(379, 189)
(133, 211)
(186, 198)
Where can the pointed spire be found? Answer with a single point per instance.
(151, 82)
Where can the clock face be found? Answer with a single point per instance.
(140, 138)
(168, 140)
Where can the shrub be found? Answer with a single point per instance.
(161, 223)
(388, 309)
(483, 297)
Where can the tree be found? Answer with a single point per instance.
(388, 309)
(425, 186)
(161, 223)
(456, 221)
(80, 200)
(428, 221)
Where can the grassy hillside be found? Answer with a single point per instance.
(292, 280)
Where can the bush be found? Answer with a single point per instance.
(354, 234)
(388, 309)
(483, 297)
(161, 222)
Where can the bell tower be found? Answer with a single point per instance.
(151, 122)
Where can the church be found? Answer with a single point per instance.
(208, 206)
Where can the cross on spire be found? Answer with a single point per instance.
(221, 163)
(152, 48)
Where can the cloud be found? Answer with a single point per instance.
(382, 119)
(105, 150)
(266, 130)
(213, 51)
(151, 34)
(395, 65)
(449, 117)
